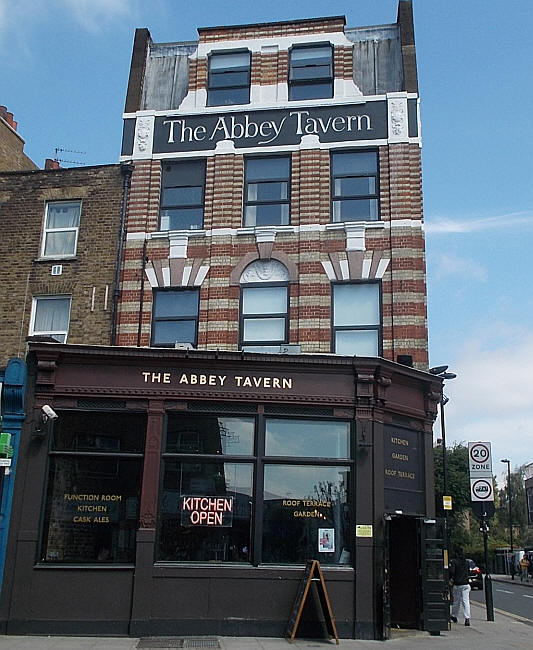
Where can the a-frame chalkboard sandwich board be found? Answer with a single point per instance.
(312, 573)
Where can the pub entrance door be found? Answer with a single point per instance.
(403, 572)
(415, 593)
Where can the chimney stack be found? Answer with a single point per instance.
(8, 117)
(49, 163)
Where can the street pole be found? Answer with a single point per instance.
(441, 371)
(489, 604)
(508, 462)
(443, 400)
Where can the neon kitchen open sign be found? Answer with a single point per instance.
(206, 511)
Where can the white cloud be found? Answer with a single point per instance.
(446, 264)
(16, 19)
(492, 397)
(464, 225)
(94, 14)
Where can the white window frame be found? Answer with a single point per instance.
(372, 326)
(51, 333)
(47, 231)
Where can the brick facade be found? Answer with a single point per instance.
(12, 156)
(404, 291)
(88, 277)
(390, 249)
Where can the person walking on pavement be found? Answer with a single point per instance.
(459, 575)
(524, 568)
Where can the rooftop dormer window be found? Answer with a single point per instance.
(311, 72)
(229, 79)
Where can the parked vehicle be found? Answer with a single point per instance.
(476, 576)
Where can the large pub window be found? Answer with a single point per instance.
(206, 493)
(255, 490)
(94, 484)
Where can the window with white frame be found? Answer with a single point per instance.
(175, 317)
(50, 317)
(264, 322)
(354, 186)
(357, 319)
(311, 72)
(266, 194)
(61, 224)
(229, 79)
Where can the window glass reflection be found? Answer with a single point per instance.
(205, 512)
(99, 432)
(209, 434)
(323, 439)
(91, 511)
(306, 514)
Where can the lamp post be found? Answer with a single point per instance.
(440, 371)
(508, 462)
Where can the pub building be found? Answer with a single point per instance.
(265, 398)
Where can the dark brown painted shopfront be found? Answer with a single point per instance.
(180, 492)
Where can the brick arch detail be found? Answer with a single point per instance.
(235, 276)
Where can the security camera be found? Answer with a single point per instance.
(49, 413)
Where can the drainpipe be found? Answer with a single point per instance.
(141, 301)
(127, 170)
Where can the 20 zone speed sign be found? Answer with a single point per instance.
(481, 489)
(479, 460)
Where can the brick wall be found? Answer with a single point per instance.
(88, 278)
(272, 30)
(271, 68)
(12, 156)
(404, 291)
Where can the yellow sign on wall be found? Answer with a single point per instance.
(363, 530)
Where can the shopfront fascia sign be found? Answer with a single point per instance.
(147, 134)
(206, 511)
(218, 380)
(180, 133)
(270, 128)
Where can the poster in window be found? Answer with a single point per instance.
(326, 540)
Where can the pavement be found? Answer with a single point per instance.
(503, 578)
(507, 631)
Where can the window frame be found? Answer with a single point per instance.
(243, 317)
(273, 179)
(46, 230)
(49, 333)
(259, 460)
(81, 456)
(187, 165)
(212, 89)
(355, 197)
(378, 328)
(156, 319)
(295, 84)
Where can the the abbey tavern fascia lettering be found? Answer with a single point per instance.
(270, 127)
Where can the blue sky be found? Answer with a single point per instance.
(64, 73)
